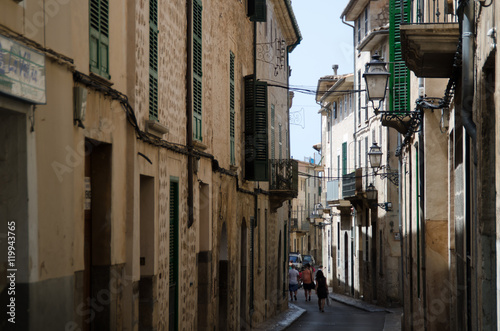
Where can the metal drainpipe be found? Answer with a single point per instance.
(256, 198)
(468, 72)
(355, 78)
(467, 120)
(189, 110)
(354, 137)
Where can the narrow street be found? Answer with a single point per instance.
(337, 316)
(343, 313)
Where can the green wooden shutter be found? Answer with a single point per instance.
(399, 98)
(231, 109)
(256, 133)
(344, 158)
(197, 70)
(173, 260)
(153, 59)
(99, 37)
(257, 10)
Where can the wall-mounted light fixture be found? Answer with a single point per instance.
(375, 156)
(317, 212)
(372, 196)
(376, 78)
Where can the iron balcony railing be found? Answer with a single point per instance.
(284, 175)
(432, 11)
(349, 185)
(299, 220)
(355, 183)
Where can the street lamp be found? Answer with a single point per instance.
(375, 156)
(371, 193)
(376, 78)
(317, 212)
(372, 197)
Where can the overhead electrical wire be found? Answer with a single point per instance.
(311, 91)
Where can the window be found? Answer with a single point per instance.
(197, 70)
(359, 97)
(280, 143)
(366, 20)
(334, 110)
(359, 153)
(358, 23)
(338, 166)
(344, 158)
(287, 152)
(308, 203)
(256, 130)
(99, 37)
(366, 106)
(257, 10)
(231, 109)
(366, 151)
(399, 99)
(340, 109)
(346, 111)
(153, 59)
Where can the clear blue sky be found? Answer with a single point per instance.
(325, 41)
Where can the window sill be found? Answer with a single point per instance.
(199, 145)
(101, 79)
(155, 128)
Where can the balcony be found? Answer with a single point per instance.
(299, 223)
(349, 185)
(283, 181)
(354, 186)
(429, 40)
(332, 190)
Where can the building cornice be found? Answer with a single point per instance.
(288, 22)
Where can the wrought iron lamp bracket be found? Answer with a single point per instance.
(385, 206)
(392, 176)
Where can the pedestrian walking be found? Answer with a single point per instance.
(293, 282)
(307, 281)
(321, 290)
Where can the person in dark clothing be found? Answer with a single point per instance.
(321, 290)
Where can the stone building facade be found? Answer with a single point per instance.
(305, 237)
(451, 168)
(129, 171)
(365, 244)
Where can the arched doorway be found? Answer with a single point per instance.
(223, 279)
